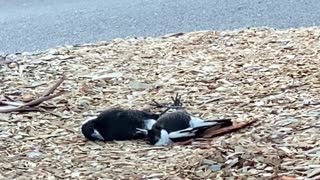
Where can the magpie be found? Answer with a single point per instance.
(118, 124)
(122, 124)
(179, 125)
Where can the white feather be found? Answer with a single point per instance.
(149, 123)
(164, 139)
(180, 134)
(197, 122)
(89, 119)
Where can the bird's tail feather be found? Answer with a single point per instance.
(221, 122)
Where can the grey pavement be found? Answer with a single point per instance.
(35, 25)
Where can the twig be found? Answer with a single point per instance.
(210, 101)
(292, 86)
(309, 127)
(156, 104)
(35, 85)
(10, 103)
(164, 106)
(7, 109)
(30, 106)
(54, 87)
(176, 104)
(7, 97)
(41, 99)
(52, 113)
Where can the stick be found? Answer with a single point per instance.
(156, 104)
(41, 99)
(54, 87)
(10, 103)
(6, 109)
(30, 106)
(7, 97)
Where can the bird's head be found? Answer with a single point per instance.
(154, 135)
(158, 136)
(89, 130)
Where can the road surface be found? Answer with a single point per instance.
(35, 25)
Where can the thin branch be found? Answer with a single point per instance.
(7, 97)
(6, 109)
(41, 99)
(210, 101)
(31, 106)
(156, 104)
(9, 108)
(54, 87)
(16, 104)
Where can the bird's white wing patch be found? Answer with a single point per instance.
(181, 134)
(197, 122)
(149, 123)
(89, 119)
(164, 139)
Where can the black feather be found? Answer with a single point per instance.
(118, 124)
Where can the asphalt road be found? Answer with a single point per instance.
(33, 25)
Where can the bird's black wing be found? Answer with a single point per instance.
(173, 121)
(189, 133)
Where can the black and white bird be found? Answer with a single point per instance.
(118, 124)
(179, 125)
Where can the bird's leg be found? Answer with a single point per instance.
(177, 100)
(158, 105)
(176, 104)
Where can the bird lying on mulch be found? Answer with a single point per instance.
(173, 125)
(179, 125)
(119, 124)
